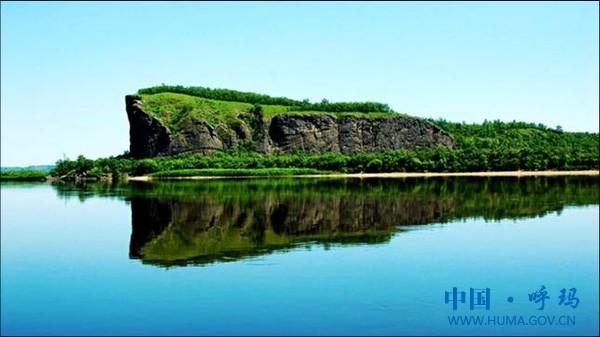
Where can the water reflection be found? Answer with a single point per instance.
(199, 222)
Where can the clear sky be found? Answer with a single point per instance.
(66, 67)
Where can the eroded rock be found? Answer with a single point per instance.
(283, 134)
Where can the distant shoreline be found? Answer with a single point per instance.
(391, 175)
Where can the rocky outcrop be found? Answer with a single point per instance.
(283, 133)
(147, 135)
(351, 134)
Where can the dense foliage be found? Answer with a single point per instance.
(23, 175)
(253, 98)
(496, 145)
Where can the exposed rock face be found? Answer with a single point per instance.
(304, 133)
(198, 135)
(147, 136)
(284, 133)
(351, 134)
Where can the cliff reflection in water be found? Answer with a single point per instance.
(198, 222)
(210, 227)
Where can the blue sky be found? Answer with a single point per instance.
(66, 67)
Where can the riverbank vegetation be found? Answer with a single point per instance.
(491, 146)
(237, 172)
(23, 175)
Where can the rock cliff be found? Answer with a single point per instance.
(282, 132)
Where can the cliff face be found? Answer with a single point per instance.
(282, 133)
(351, 134)
(147, 135)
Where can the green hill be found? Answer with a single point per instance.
(176, 110)
(218, 130)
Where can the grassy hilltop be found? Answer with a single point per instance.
(260, 99)
(175, 110)
(490, 146)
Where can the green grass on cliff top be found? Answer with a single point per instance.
(178, 110)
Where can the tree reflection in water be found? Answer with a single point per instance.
(199, 222)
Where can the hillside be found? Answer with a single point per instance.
(206, 131)
(176, 110)
(167, 123)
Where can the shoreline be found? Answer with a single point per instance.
(390, 175)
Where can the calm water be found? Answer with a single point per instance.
(301, 256)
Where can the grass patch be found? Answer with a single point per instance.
(23, 175)
(224, 172)
(178, 111)
(254, 98)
